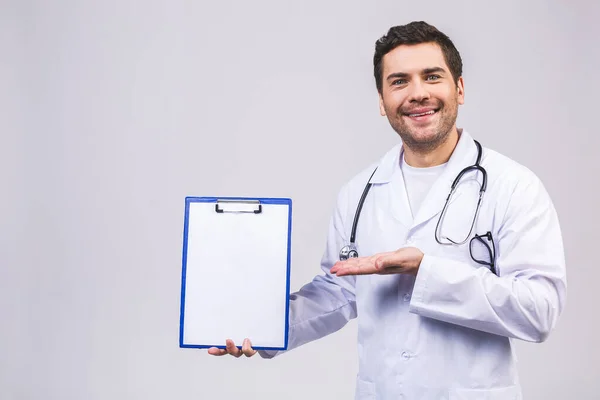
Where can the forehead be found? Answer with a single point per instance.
(413, 58)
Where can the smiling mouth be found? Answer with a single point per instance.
(422, 114)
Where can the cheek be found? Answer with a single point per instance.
(447, 96)
(391, 103)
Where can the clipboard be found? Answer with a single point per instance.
(235, 279)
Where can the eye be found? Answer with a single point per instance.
(399, 82)
(433, 77)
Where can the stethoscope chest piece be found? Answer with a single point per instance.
(347, 252)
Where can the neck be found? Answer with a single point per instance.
(436, 156)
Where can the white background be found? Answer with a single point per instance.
(111, 112)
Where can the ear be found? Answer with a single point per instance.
(461, 90)
(381, 107)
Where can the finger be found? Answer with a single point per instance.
(215, 351)
(340, 265)
(345, 265)
(360, 269)
(335, 267)
(232, 349)
(247, 349)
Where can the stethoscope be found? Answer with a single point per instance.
(351, 251)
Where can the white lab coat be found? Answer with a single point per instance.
(447, 333)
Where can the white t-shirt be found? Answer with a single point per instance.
(418, 181)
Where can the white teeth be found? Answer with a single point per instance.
(419, 115)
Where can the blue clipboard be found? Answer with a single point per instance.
(235, 277)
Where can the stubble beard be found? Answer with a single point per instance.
(423, 144)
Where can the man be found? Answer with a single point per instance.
(442, 284)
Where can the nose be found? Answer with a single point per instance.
(417, 92)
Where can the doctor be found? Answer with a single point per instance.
(441, 285)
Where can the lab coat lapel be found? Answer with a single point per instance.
(389, 174)
(398, 198)
(465, 154)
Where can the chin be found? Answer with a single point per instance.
(424, 139)
(427, 136)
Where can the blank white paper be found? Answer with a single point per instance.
(236, 276)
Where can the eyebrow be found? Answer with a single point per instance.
(426, 71)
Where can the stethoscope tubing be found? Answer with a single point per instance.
(482, 190)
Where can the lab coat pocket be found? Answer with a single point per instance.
(364, 390)
(505, 393)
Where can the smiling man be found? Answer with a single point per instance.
(445, 250)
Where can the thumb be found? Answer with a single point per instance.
(386, 260)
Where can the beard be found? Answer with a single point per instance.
(424, 139)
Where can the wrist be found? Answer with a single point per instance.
(416, 262)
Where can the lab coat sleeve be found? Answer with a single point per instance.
(327, 303)
(526, 298)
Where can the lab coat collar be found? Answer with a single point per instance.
(464, 154)
(388, 164)
(391, 160)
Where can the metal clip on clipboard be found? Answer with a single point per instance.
(238, 206)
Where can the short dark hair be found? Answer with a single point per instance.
(415, 33)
